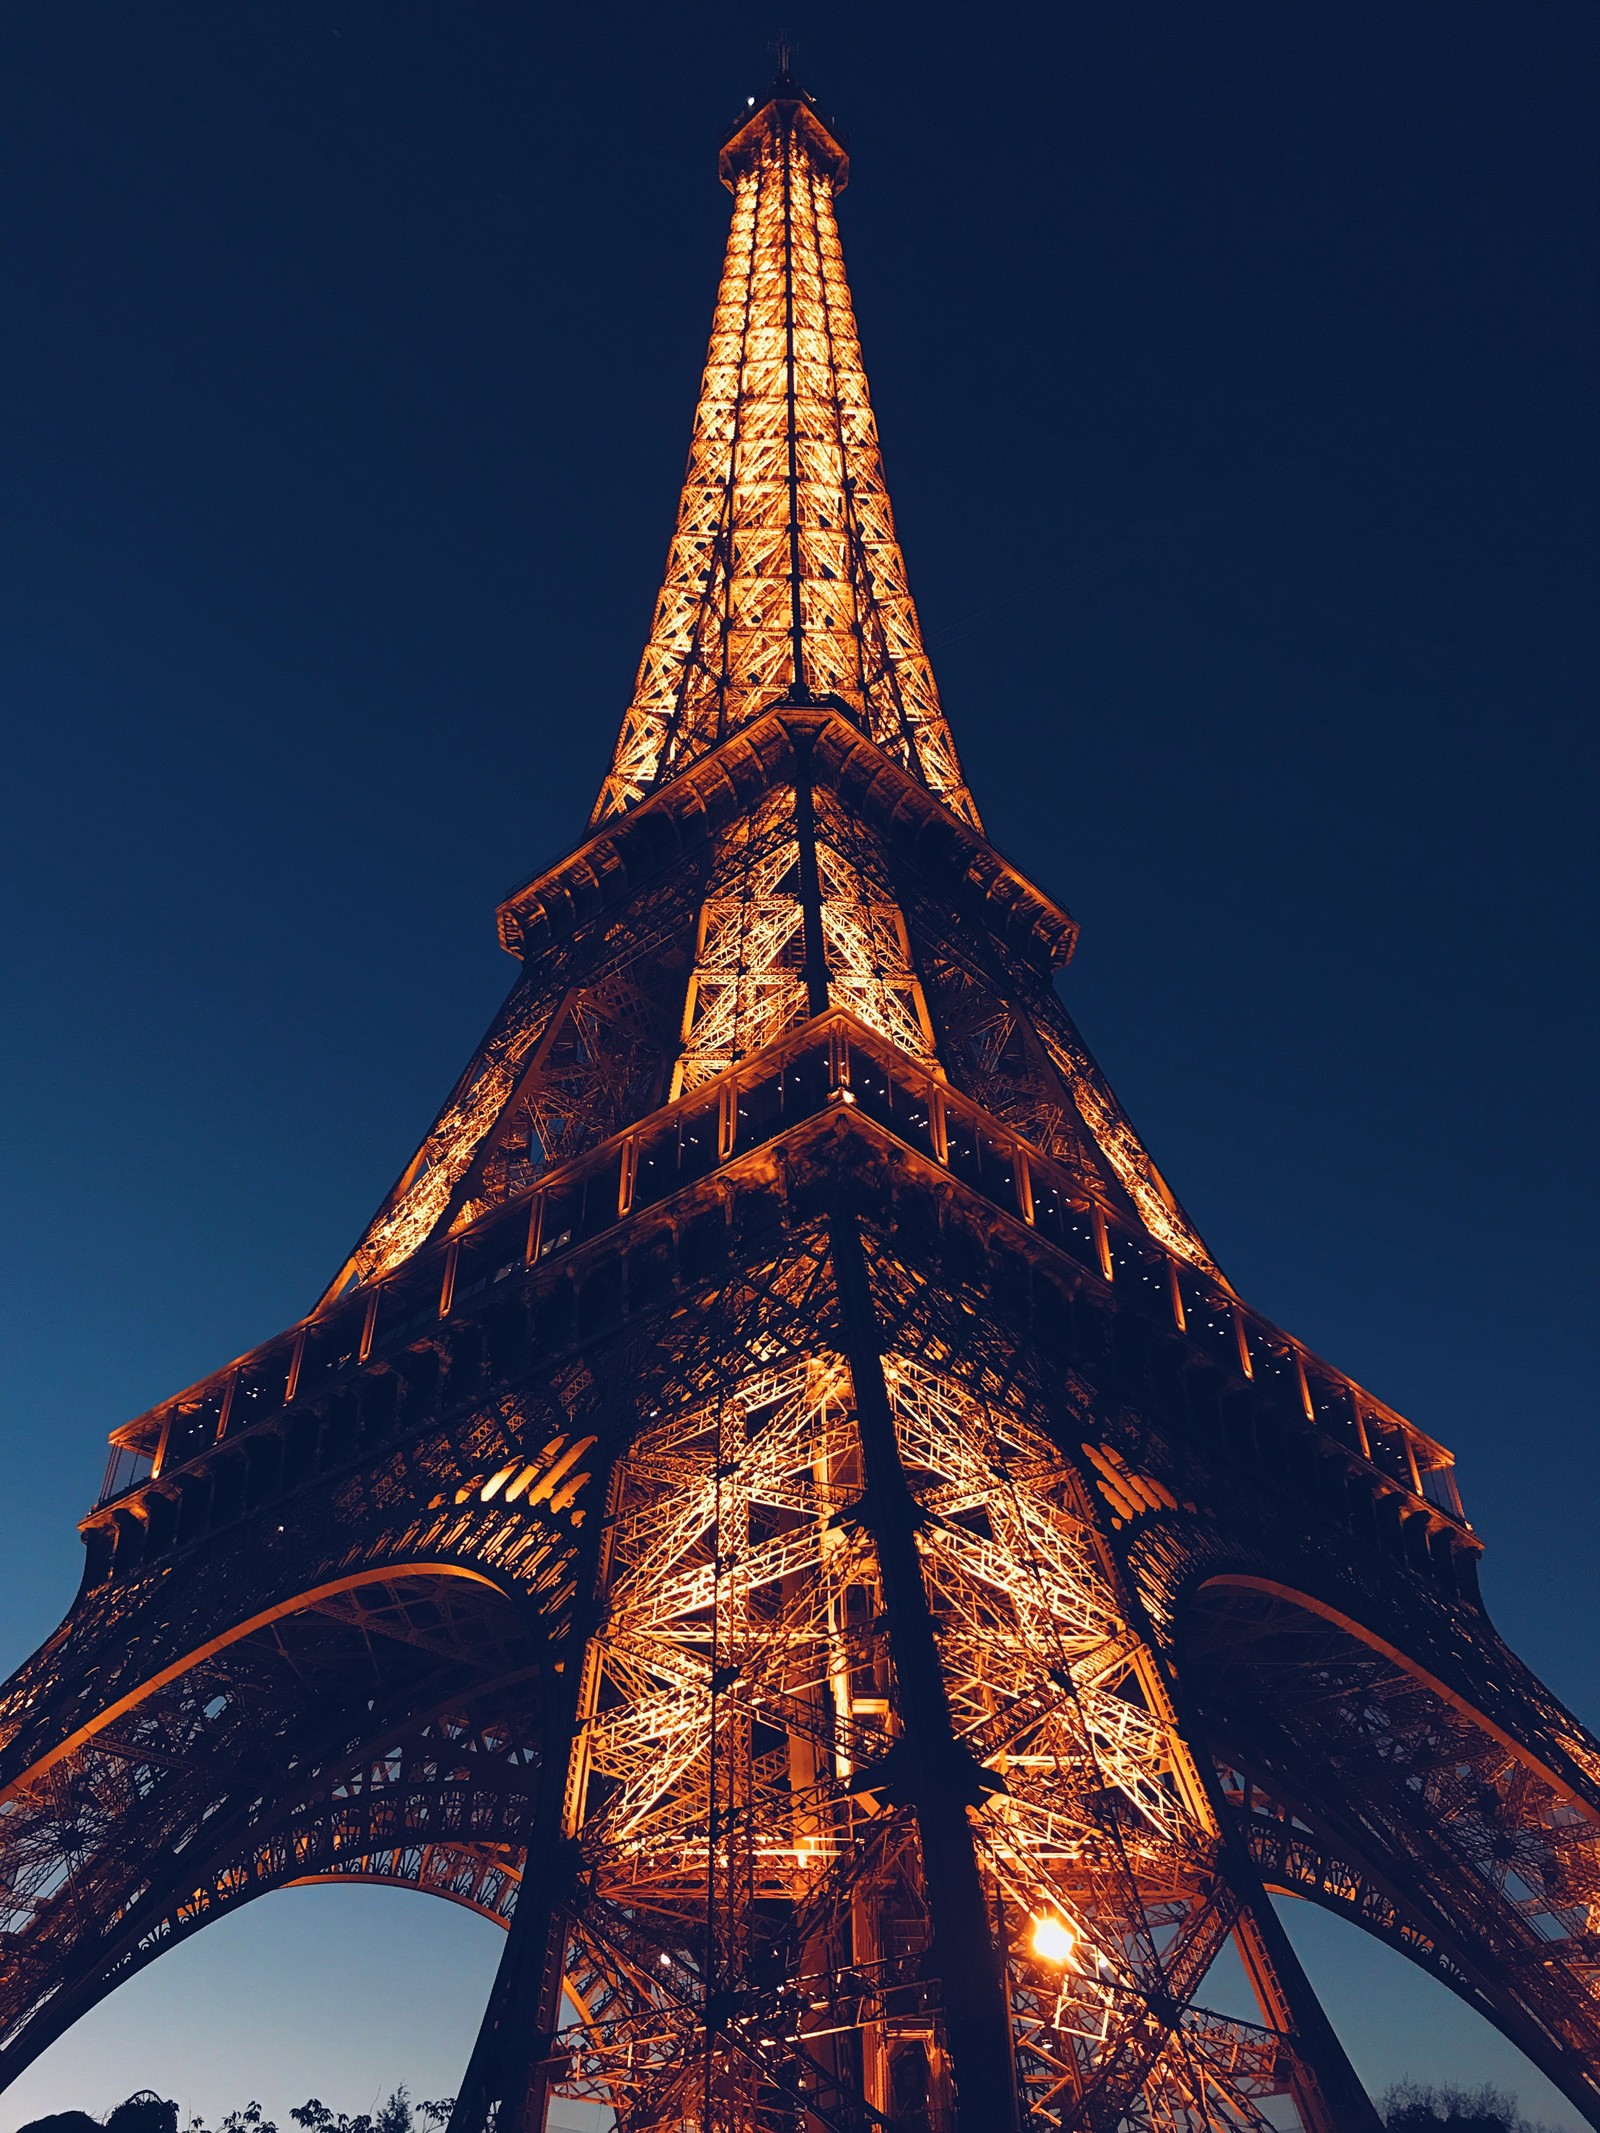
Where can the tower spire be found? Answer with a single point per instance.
(784, 582)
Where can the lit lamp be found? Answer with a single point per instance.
(1053, 1939)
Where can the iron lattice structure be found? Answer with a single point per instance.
(780, 1508)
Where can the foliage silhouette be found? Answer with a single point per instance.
(1439, 2107)
(146, 2112)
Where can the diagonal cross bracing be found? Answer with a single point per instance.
(784, 580)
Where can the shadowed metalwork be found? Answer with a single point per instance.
(780, 1510)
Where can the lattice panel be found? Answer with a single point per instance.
(748, 987)
(1464, 1826)
(421, 1198)
(142, 1832)
(748, 984)
(582, 1047)
(751, 1936)
(870, 970)
(784, 570)
(992, 1053)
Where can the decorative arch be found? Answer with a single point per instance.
(483, 1879)
(1514, 1743)
(389, 1711)
(312, 1599)
(1331, 1738)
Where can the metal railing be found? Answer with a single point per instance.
(829, 1061)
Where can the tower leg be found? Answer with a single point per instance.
(507, 2074)
(939, 1775)
(519, 2015)
(1328, 2092)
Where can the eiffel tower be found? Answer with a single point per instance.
(780, 1509)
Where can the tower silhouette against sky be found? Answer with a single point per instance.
(780, 1507)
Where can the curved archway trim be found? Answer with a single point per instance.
(309, 1597)
(1473, 1713)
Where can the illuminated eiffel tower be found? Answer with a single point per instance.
(780, 1506)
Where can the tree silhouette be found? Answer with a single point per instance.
(148, 2113)
(1438, 2107)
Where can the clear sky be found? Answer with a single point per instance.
(1235, 366)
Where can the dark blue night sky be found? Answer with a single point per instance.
(1236, 373)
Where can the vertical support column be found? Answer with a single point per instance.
(805, 819)
(1241, 1341)
(938, 1121)
(296, 1358)
(1180, 1317)
(1327, 2090)
(507, 2075)
(1305, 1389)
(941, 1777)
(1102, 1239)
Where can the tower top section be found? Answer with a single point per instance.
(784, 582)
(784, 105)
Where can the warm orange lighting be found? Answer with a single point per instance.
(1053, 1939)
(777, 583)
(749, 986)
(496, 1482)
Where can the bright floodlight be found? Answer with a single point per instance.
(1052, 1939)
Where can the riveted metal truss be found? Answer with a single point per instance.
(421, 1197)
(1495, 1862)
(752, 1929)
(1127, 1155)
(866, 946)
(1006, 1037)
(749, 986)
(583, 1045)
(740, 1846)
(784, 575)
(259, 1762)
